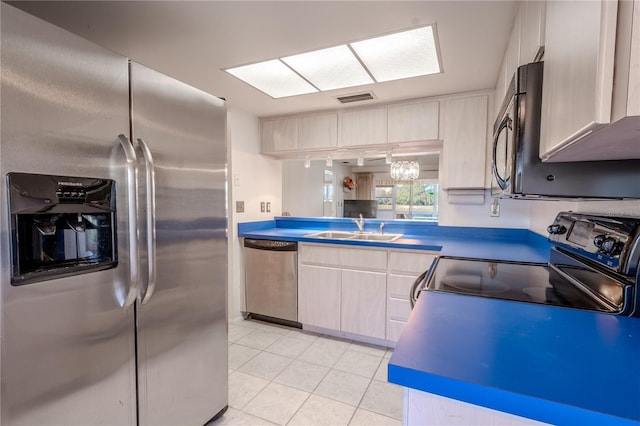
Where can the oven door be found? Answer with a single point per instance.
(503, 152)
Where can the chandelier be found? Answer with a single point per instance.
(405, 170)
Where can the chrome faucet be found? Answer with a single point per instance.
(381, 227)
(360, 223)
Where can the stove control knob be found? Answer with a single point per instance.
(599, 240)
(556, 229)
(610, 246)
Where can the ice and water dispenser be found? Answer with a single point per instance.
(60, 226)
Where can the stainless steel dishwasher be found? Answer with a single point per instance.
(271, 280)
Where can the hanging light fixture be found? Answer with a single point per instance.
(387, 158)
(405, 170)
(329, 161)
(307, 162)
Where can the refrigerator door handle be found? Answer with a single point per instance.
(132, 200)
(151, 218)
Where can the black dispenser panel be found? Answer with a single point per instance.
(60, 226)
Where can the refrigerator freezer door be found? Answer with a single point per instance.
(182, 330)
(67, 343)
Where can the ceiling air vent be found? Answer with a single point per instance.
(367, 96)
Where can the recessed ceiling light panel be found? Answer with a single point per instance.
(273, 78)
(332, 68)
(402, 55)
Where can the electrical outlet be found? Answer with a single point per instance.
(494, 208)
(239, 206)
(262, 207)
(268, 206)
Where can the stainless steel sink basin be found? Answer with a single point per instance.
(359, 236)
(334, 235)
(376, 237)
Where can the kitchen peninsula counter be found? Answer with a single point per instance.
(551, 364)
(484, 243)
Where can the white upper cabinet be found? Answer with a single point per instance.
(510, 62)
(412, 122)
(318, 131)
(463, 163)
(308, 132)
(407, 122)
(280, 134)
(584, 39)
(532, 19)
(364, 127)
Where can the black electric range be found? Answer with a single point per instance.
(593, 266)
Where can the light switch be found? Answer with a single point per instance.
(268, 206)
(239, 206)
(262, 207)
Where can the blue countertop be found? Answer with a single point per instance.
(553, 364)
(482, 243)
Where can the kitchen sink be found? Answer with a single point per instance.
(356, 236)
(376, 237)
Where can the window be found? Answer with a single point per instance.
(408, 200)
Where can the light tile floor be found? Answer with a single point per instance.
(286, 376)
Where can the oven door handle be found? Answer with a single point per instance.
(586, 290)
(506, 124)
(416, 288)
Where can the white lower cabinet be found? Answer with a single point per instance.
(363, 303)
(421, 408)
(319, 296)
(359, 291)
(404, 268)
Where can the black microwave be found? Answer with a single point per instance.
(518, 172)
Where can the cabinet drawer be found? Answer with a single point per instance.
(319, 255)
(398, 286)
(369, 259)
(398, 309)
(410, 263)
(394, 329)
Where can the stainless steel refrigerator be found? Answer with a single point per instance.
(113, 223)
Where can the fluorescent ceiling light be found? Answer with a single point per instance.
(332, 68)
(392, 57)
(401, 55)
(273, 78)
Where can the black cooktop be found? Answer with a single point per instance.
(526, 282)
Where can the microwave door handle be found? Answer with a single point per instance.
(150, 180)
(504, 125)
(132, 210)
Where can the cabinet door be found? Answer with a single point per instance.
(364, 127)
(363, 303)
(532, 14)
(319, 296)
(465, 140)
(412, 122)
(318, 131)
(279, 134)
(578, 71)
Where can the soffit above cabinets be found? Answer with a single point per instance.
(195, 41)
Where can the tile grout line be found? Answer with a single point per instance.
(293, 334)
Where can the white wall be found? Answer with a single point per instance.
(542, 212)
(253, 178)
(513, 213)
(302, 188)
